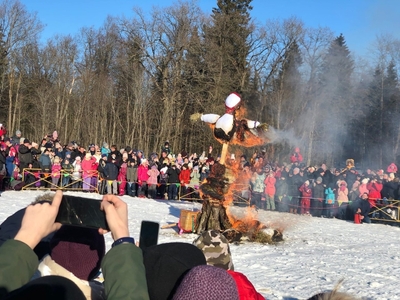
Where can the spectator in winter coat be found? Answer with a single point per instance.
(390, 186)
(163, 190)
(111, 174)
(16, 138)
(362, 189)
(362, 207)
(45, 166)
(282, 194)
(374, 187)
(131, 178)
(318, 197)
(194, 182)
(56, 172)
(152, 181)
(173, 181)
(392, 168)
(343, 199)
(354, 192)
(68, 168)
(105, 149)
(257, 187)
(77, 173)
(11, 154)
(296, 156)
(329, 202)
(269, 189)
(184, 179)
(143, 177)
(342, 193)
(89, 165)
(25, 154)
(123, 169)
(166, 148)
(294, 183)
(306, 194)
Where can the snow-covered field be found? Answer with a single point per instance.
(315, 255)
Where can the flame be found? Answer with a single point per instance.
(238, 179)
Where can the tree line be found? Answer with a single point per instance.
(136, 81)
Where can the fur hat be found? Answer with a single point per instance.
(79, 250)
(165, 266)
(207, 282)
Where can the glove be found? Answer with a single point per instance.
(263, 126)
(196, 116)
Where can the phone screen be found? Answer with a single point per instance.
(148, 234)
(79, 211)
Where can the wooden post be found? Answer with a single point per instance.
(224, 153)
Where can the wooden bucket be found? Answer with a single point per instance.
(187, 220)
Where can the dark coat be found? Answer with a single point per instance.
(173, 174)
(111, 171)
(389, 189)
(319, 191)
(364, 206)
(281, 187)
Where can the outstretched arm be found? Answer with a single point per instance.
(18, 262)
(123, 268)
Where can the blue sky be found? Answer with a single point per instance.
(359, 20)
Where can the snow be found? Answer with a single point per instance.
(315, 255)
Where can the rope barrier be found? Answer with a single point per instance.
(388, 210)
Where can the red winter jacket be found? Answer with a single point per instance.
(270, 186)
(306, 191)
(88, 167)
(184, 176)
(245, 288)
(296, 157)
(374, 189)
(142, 173)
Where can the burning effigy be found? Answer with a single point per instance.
(216, 191)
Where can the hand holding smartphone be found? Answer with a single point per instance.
(80, 211)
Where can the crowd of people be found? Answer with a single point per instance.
(288, 187)
(40, 258)
(202, 270)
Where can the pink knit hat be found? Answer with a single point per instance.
(207, 282)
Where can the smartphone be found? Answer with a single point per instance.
(80, 211)
(148, 234)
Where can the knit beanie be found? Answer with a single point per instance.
(79, 250)
(215, 248)
(166, 264)
(207, 282)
